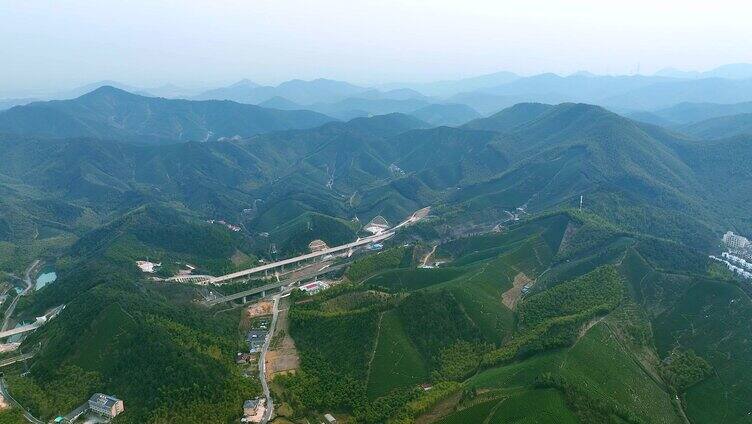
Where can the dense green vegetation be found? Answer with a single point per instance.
(388, 259)
(12, 416)
(396, 362)
(412, 279)
(335, 348)
(434, 321)
(597, 292)
(685, 369)
(580, 338)
(134, 344)
(162, 235)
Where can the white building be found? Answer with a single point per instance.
(314, 287)
(735, 242)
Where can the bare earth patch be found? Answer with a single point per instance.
(512, 296)
(256, 310)
(282, 356)
(260, 309)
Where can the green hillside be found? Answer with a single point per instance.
(510, 118)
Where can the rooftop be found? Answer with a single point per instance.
(103, 400)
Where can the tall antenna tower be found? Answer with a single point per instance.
(581, 203)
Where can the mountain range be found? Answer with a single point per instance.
(486, 94)
(609, 219)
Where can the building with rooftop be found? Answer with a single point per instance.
(314, 287)
(250, 406)
(106, 405)
(254, 410)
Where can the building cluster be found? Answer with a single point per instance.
(738, 259)
(737, 265)
(737, 244)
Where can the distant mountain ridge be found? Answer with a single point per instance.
(720, 127)
(730, 71)
(297, 91)
(685, 113)
(108, 112)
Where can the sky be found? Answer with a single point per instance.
(53, 44)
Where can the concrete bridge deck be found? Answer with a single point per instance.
(415, 217)
(272, 286)
(40, 321)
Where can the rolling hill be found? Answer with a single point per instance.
(446, 114)
(721, 127)
(686, 113)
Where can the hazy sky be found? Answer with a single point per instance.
(63, 43)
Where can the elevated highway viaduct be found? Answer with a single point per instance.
(253, 294)
(415, 217)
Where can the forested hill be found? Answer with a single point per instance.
(111, 113)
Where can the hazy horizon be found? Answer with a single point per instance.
(53, 46)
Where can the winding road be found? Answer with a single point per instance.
(9, 399)
(29, 287)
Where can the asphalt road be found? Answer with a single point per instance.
(8, 361)
(262, 364)
(29, 287)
